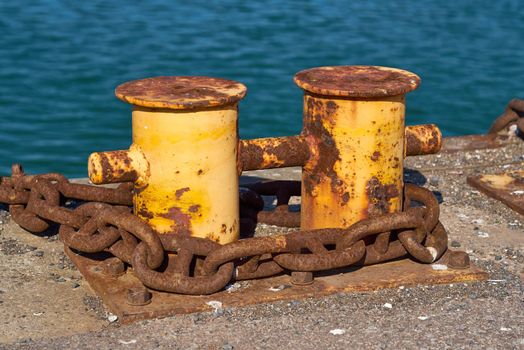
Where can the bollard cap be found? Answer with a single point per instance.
(181, 92)
(357, 81)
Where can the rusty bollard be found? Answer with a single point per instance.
(183, 159)
(352, 145)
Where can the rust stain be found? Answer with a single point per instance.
(316, 114)
(214, 237)
(181, 92)
(345, 198)
(194, 208)
(379, 196)
(181, 191)
(181, 221)
(357, 81)
(143, 212)
(375, 156)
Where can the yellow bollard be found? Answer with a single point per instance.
(354, 124)
(183, 159)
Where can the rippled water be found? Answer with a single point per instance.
(61, 60)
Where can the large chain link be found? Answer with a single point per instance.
(189, 265)
(513, 114)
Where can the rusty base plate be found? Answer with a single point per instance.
(507, 188)
(113, 290)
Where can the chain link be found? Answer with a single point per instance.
(513, 114)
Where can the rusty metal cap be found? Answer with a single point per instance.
(357, 81)
(181, 92)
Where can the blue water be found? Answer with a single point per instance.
(61, 60)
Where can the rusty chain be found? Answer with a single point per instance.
(513, 114)
(102, 221)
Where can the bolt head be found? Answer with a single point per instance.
(458, 260)
(301, 278)
(114, 267)
(138, 296)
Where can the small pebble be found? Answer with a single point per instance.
(197, 318)
(228, 347)
(278, 288)
(75, 285)
(337, 331)
(38, 253)
(219, 312)
(455, 244)
(215, 304)
(233, 287)
(498, 257)
(434, 180)
(423, 318)
(387, 306)
(112, 318)
(482, 234)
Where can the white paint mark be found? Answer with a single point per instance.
(439, 267)
(277, 288)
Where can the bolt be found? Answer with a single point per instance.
(114, 267)
(138, 296)
(301, 278)
(458, 260)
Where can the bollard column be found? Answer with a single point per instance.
(183, 160)
(354, 125)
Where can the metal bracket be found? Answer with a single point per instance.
(115, 290)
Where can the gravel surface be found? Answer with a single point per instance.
(45, 303)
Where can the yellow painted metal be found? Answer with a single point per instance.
(356, 135)
(363, 174)
(192, 186)
(184, 166)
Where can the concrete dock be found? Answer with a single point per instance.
(45, 303)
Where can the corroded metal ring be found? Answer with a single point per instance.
(90, 238)
(178, 282)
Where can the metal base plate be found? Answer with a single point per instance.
(113, 290)
(507, 188)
